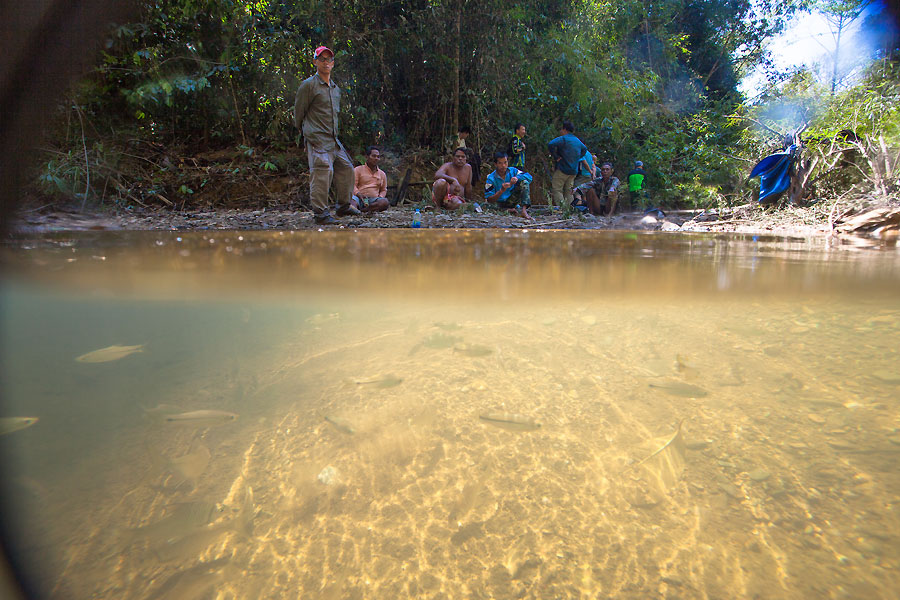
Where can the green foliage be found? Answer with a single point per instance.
(870, 108)
(850, 137)
(651, 81)
(163, 91)
(59, 175)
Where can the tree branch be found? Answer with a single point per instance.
(763, 125)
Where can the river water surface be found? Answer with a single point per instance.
(434, 414)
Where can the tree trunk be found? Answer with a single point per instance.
(457, 37)
(802, 170)
(647, 37)
(837, 54)
(330, 23)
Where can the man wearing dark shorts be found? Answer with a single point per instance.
(453, 182)
(370, 186)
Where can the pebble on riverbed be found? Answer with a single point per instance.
(731, 489)
(328, 476)
(759, 474)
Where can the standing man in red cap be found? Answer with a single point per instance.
(316, 112)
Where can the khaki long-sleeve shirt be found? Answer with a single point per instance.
(316, 111)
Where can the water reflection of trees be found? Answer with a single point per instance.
(472, 263)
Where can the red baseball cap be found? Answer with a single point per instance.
(320, 50)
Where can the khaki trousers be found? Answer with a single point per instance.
(561, 188)
(326, 166)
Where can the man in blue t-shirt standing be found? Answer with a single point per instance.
(504, 181)
(566, 151)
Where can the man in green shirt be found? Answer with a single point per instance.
(316, 111)
(636, 184)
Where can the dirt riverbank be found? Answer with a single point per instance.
(862, 222)
(292, 218)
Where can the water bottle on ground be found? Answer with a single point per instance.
(417, 219)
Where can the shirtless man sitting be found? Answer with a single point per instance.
(453, 182)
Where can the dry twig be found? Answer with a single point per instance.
(87, 166)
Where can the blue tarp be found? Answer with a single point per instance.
(774, 173)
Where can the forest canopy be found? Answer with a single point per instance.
(657, 81)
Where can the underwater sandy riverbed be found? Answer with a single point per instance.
(784, 482)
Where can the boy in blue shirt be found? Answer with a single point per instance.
(586, 169)
(504, 181)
